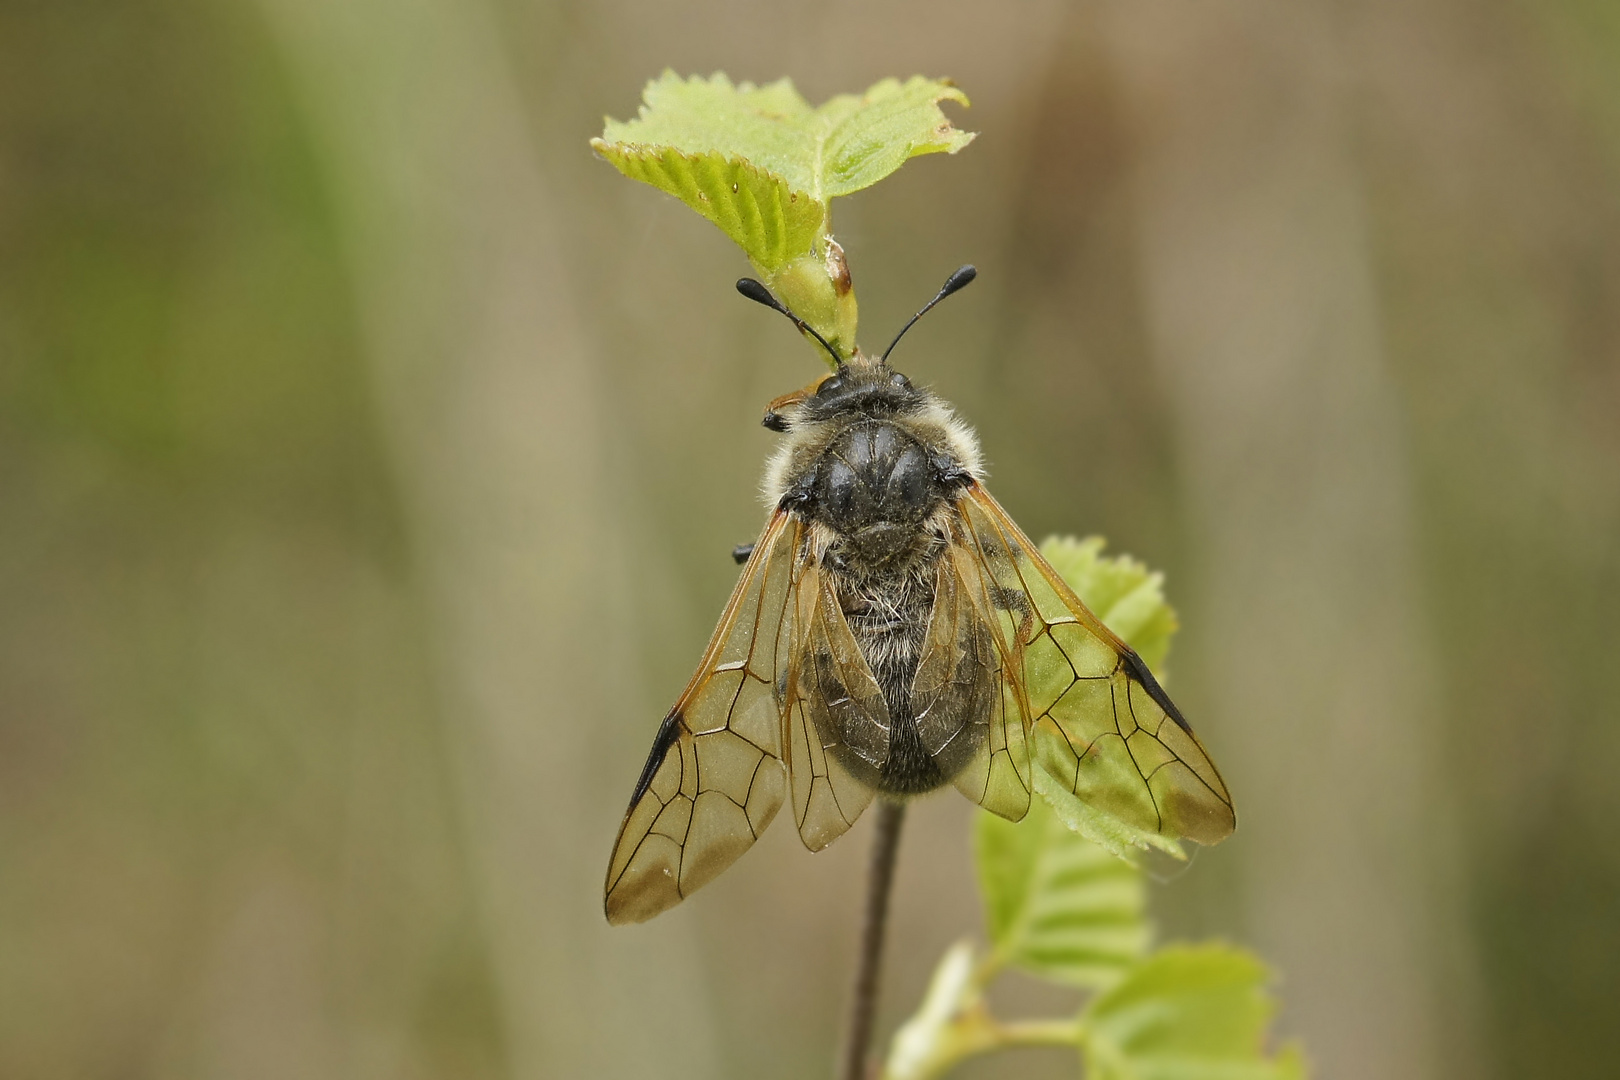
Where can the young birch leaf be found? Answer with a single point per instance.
(862, 139)
(762, 164)
(1058, 905)
(1187, 1013)
(771, 223)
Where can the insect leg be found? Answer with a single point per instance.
(741, 552)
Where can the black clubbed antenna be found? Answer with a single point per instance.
(759, 294)
(961, 279)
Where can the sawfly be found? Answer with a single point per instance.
(893, 631)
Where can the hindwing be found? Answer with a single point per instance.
(968, 693)
(836, 715)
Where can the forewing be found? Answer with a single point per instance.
(967, 696)
(714, 778)
(1103, 725)
(837, 721)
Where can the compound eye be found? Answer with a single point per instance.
(900, 381)
(830, 385)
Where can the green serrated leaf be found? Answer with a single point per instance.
(1187, 1013)
(755, 208)
(762, 164)
(1056, 904)
(863, 138)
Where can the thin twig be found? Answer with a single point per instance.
(880, 877)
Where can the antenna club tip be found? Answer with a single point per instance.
(963, 275)
(757, 292)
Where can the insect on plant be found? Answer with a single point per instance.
(892, 632)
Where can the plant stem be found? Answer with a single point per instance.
(880, 877)
(1066, 1032)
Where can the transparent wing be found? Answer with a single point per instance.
(1103, 725)
(837, 721)
(714, 778)
(968, 696)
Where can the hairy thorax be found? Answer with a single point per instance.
(874, 490)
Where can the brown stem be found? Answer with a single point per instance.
(880, 877)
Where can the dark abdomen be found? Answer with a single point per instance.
(876, 488)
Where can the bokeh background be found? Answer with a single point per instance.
(370, 456)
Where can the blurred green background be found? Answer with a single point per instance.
(370, 456)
